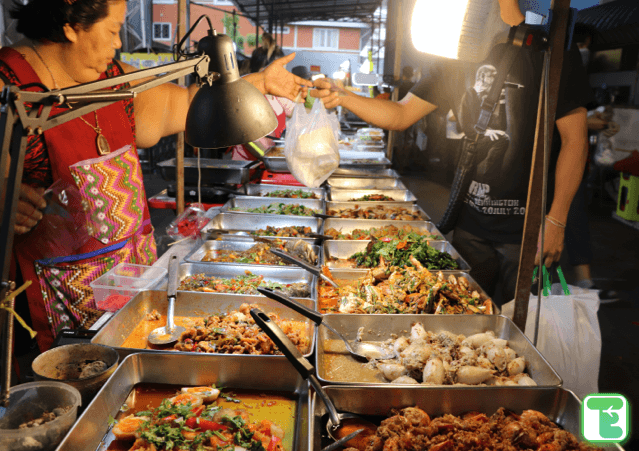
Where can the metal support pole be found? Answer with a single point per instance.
(399, 40)
(532, 222)
(270, 18)
(257, 24)
(234, 24)
(179, 150)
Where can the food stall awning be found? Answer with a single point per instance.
(617, 23)
(296, 10)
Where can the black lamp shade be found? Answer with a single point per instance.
(231, 110)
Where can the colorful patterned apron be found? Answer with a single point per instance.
(112, 191)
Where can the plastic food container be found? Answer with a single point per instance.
(29, 402)
(115, 288)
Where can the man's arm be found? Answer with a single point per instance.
(573, 130)
(381, 113)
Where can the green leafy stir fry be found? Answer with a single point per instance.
(293, 193)
(398, 252)
(280, 209)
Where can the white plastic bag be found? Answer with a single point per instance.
(569, 336)
(311, 146)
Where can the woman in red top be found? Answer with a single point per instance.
(69, 42)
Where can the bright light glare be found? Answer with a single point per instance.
(339, 75)
(317, 77)
(436, 26)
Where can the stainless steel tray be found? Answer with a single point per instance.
(253, 202)
(348, 225)
(92, 432)
(377, 328)
(343, 249)
(192, 304)
(558, 404)
(213, 171)
(366, 172)
(275, 164)
(236, 226)
(347, 195)
(335, 183)
(259, 190)
(199, 252)
(357, 163)
(279, 274)
(414, 208)
(356, 273)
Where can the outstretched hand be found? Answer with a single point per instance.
(280, 82)
(553, 244)
(28, 213)
(330, 94)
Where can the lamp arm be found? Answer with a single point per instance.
(38, 122)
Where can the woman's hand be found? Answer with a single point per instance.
(330, 94)
(280, 82)
(28, 213)
(553, 244)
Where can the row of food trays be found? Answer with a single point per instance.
(264, 400)
(451, 378)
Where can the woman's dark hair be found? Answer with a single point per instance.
(45, 19)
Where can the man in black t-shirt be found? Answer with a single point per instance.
(489, 231)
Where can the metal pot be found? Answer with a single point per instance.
(64, 363)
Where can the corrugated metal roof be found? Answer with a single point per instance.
(617, 23)
(295, 10)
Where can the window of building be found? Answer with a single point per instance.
(278, 30)
(325, 38)
(162, 31)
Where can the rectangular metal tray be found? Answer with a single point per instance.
(382, 163)
(358, 273)
(348, 225)
(275, 164)
(377, 328)
(335, 183)
(193, 304)
(234, 226)
(279, 274)
(347, 195)
(258, 190)
(343, 249)
(254, 202)
(199, 252)
(214, 171)
(92, 432)
(558, 404)
(414, 208)
(366, 172)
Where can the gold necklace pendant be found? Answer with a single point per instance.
(103, 145)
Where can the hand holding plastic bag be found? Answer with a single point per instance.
(311, 146)
(569, 336)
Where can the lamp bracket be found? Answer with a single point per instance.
(209, 79)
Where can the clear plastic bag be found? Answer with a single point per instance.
(189, 223)
(311, 145)
(569, 336)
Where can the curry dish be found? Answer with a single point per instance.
(376, 212)
(234, 332)
(158, 417)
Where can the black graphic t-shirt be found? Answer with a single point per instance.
(495, 205)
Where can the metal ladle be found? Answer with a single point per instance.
(169, 333)
(361, 350)
(307, 371)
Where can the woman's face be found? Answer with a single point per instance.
(95, 47)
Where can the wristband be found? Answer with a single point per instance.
(555, 222)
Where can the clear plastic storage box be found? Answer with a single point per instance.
(117, 286)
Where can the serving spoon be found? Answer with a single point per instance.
(336, 420)
(358, 349)
(169, 333)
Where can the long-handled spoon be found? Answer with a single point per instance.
(169, 333)
(361, 350)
